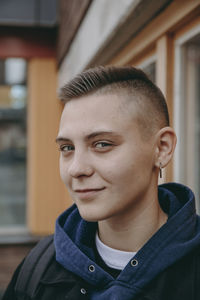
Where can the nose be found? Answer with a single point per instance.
(80, 166)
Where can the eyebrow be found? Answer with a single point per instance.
(90, 136)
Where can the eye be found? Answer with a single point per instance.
(66, 148)
(103, 146)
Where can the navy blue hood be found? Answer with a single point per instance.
(75, 238)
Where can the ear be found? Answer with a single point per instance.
(166, 143)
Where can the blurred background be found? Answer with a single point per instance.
(43, 44)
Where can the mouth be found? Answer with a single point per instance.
(88, 193)
(89, 190)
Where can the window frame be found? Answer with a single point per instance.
(179, 166)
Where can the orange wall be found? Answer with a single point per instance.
(47, 195)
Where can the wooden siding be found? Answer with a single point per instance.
(47, 195)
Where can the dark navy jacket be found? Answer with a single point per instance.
(168, 265)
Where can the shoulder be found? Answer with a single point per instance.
(28, 273)
(179, 281)
(10, 291)
(34, 266)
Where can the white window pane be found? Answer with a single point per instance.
(150, 70)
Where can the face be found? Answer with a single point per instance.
(106, 165)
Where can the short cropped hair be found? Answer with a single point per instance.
(130, 82)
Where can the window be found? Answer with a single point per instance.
(13, 95)
(187, 110)
(149, 67)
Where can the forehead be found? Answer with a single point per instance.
(94, 111)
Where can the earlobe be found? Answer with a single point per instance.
(166, 143)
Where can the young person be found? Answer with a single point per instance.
(124, 237)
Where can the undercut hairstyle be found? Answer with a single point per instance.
(128, 82)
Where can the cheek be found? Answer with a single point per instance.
(63, 170)
(128, 169)
(117, 172)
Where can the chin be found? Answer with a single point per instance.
(92, 216)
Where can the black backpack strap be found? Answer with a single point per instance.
(34, 267)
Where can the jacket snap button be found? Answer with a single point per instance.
(134, 262)
(83, 291)
(91, 268)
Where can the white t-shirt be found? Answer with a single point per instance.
(114, 258)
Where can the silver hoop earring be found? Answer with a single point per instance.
(160, 170)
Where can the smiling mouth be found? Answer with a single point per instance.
(89, 190)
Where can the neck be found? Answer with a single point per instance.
(131, 231)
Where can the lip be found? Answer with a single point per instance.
(88, 193)
(89, 190)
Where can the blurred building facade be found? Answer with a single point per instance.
(162, 38)
(28, 82)
(42, 47)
